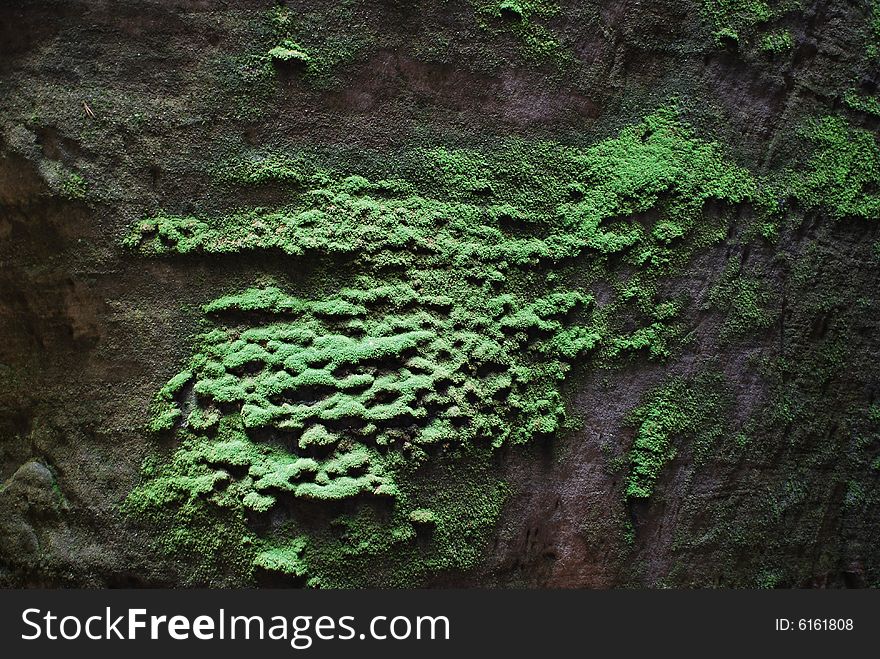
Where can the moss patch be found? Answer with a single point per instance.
(694, 408)
(332, 430)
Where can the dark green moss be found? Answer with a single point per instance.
(745, 301)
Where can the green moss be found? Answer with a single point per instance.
(423, 516)
(769, 579)
(731, 16)
(744, 300)
(750, 23)
(873, 39)
(843, 174)
(694, 408)
(777, 42)
(414, 369)
(867, 104)
(391, 394)
(74, 186)
(656, 164)
(320, 40)
(525, 18)
(725, 36)
(873, 414)
(203, 509)
(199, 520)
(289, 52)
(286, 559)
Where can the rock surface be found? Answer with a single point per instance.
(115, 113)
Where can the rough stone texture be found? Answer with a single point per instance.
(140, 97)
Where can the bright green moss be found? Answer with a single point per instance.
(423, 516)
(440, 523)
(777, 42)
(656, 164)
(843, 174)
(725, 36)
(405, 368)
(867, 104)
(525, 18)
(363, 422)
(286, 559)
(289, 52)
(320, 39)
(74, 186)
(694, 408)
(391, 393)
(389, 538)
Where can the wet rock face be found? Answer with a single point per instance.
(545, 294)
